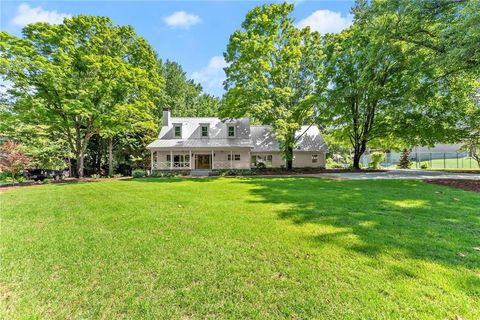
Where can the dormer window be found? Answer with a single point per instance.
(231, 131)
(178, 131)
(204, 131)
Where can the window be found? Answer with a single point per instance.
(236, 157)
(265, 159)
(314, 158)
(204, 131)
(178, 131)
(231, 131)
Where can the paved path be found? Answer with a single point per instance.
(403, 174)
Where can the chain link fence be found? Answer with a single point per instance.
(428, 160)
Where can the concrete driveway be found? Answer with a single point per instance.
(403, 174)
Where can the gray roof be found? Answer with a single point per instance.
(309, 139)
(257, 138)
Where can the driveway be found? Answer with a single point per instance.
(403, 174)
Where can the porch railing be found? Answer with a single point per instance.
(166, 165)
(221, 164)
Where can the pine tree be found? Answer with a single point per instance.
(405, 159)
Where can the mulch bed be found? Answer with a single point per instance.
(469, 185)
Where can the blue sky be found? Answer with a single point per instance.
(193, 33)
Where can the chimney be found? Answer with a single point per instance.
(166, 117)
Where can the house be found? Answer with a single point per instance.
(212, 143)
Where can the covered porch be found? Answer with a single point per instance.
(200, 159)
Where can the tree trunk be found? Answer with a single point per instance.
(110, 157)
(359, 150)
(289, 158)
(80, 158)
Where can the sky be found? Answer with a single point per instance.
(193, 33)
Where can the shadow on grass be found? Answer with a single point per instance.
(409, 218)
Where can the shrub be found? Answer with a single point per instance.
(166, 174)
(138, 173)
(95, 176)
(377, 158)
(332, 164)
(233, 172)
(424, 165)
(261, 165)
(405, 162)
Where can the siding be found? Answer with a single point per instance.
(301, 159)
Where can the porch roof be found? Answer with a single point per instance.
(200, 143)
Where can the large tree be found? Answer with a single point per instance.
(389, 93)
(185, 97)
(275, 73)
(81, 78)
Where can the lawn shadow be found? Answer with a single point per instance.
(408, 217)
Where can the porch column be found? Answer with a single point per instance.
(171, 160)
(212, 158)
(151, 160)
(190, 158)
(231, 159)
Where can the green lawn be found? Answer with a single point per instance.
(240, 248)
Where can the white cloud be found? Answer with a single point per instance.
(326, 21)
(26, 15)
(212, 76)
(182, 19)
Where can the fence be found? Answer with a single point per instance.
(428, 160)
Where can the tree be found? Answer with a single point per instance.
(184, 97)
(405, 162)
(274, 73)
(12, 159)
(81, 78)
(389, 93)
(448, 29)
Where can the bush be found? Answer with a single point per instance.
(166, 174)
(332, 164)
(139, 173)
(424, 165)
(95, 176)
(377, 158)
(233, 172)
(261, 165)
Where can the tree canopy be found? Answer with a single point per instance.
(274, 73)
(80, 78)
(388, 90)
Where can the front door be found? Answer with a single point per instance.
(202, 161)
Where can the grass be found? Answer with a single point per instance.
(240, 248)
(465, 163)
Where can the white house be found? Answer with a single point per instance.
(212, 143)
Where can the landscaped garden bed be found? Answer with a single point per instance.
(470, 185)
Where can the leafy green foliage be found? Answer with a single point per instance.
(80, 78)
(274, 73)
(377, 158)
(385, 91)
(183, 96)
(139, 173)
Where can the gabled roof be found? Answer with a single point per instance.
(257, 138)
(309, 139)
